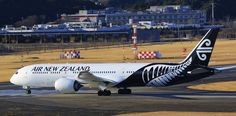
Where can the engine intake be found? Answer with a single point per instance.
(66, 85)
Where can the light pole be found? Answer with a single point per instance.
(134, 37)
(212, 12)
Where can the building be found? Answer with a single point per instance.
(170, 14)
(84, 16)
(75, 33)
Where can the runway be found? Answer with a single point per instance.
(13, 100)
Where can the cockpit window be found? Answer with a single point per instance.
(16, 72)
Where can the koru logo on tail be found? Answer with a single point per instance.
(202, 51)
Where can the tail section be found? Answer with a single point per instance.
(201, 54)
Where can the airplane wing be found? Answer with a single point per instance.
(85, 77)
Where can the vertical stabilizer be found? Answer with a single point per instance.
(201, 54)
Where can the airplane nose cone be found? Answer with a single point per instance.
(13, 80)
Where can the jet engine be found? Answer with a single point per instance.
(66, 85)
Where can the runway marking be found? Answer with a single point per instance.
(53, 92)
(228, 95)
(22, 92)
(38, 92)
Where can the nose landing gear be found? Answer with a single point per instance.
(27, 89)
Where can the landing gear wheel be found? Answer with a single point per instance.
(104, 92)
(28, 91)
(107, 92)
(100, 93)
(124, 91)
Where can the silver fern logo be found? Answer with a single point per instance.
(160, 75)
(202, 51)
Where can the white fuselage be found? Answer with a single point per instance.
(45, 75)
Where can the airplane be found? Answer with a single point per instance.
(70, 77)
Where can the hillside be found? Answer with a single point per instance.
(42, 11)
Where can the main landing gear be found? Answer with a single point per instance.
(124, 91)
(104, 92)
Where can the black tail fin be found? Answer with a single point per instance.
(201, 54)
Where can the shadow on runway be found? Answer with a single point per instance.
(189, 95)
(162, 95)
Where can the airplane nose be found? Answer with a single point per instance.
(13, 80)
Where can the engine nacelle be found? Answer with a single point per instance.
(66, 85)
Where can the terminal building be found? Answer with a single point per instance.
(158, 14)
(76, 34)
(110, 25)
